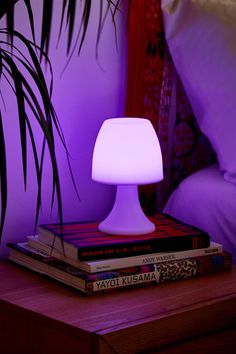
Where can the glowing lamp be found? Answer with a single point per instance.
(127, 154)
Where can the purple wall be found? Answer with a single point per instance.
(88, 92)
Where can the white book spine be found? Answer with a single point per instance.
(119, 263)
(124, 281)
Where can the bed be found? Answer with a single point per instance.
(201, 40)
(206, 200)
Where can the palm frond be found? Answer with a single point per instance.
(102, 19)
(31, 17)
(64, 4)
(110, 7)
(84, 22)
(37, 74)
(21, 114)
(46, 117)
(71, 12)
(10, 22)
(46, 26)
(7, 9)
(38, 174)
(15, 68)
(6, 6)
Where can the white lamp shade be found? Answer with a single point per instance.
(127, 151)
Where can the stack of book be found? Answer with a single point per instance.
(81, 256)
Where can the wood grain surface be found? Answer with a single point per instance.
(44, 316)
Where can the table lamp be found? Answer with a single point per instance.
(127, 154)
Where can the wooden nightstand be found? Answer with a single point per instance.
(39, 315)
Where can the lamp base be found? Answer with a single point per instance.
(127, 216)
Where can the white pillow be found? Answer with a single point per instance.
(201, 35)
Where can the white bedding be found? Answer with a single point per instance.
(207, 201)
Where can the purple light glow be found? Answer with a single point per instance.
(127, 151)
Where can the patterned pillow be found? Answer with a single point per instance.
(201, 35)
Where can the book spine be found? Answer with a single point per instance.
(85, 242)
(157, 245)
(119, 263)
(145, 247)
(90, 283)
(162, 272)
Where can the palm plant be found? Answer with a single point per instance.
(18, 69)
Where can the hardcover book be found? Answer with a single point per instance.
(96, 266)
(89, 283)
(84, 241)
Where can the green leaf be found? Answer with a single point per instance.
(62, 17)
(39, 79)
(101, 22)
(16, 76)
(35, 107)
(10, 22)
(25, 93)
(5, 6)
(27, 96)
(71, 20)
(38, 203)
(31, 17)
(46, 25)
(85, 21)
(113, 14)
